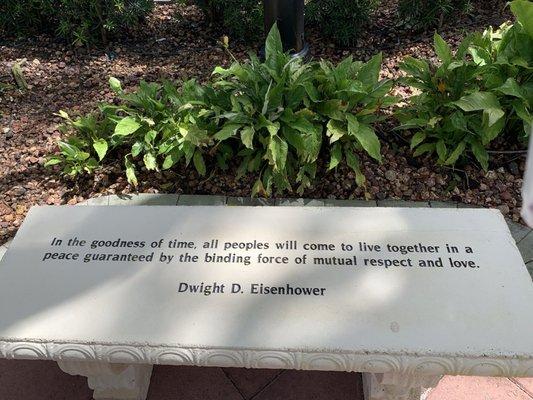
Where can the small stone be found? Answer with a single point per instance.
(506, 196)
(513, 167)
(20, 209)
(390, 175)
(18, 190)
(5, 209)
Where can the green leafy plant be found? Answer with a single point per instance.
(423, 14)
(342, 20)
(351, 97)
(242, 19)
(274, 118)
(157, 124)
(505, 58)
(79, 21)
(481, 92)
(25, 17)
(451, 113)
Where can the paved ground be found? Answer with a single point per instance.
(43, 380)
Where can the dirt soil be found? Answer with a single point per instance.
(178, 44)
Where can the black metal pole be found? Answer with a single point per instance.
(289, 14)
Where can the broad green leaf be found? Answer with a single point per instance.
(480, 56)
(172, 158)
(424, 148)
(126, 126)
(273, 44)
(277, 153)
(481, 154)
(115, 85)
(442, 49)
(523, 10)
(366, 136)
(100, 146)
(456, 153)
(150, 136)
(272, 127)
(442, 151)
(418, 138)
(82, 156)
(369, 72)
(415, 67)
(150, 162)
(478, 101)
(258, 188)
(301, 124)
(521, 110)
(463, 47)
(247, 136)
(194, 135)
(336, 155)
(199, 163)
(459, 121)
(511, 88)
(130, 172)
(332, 109)
(311, 91)
(136, 149)
(353, 162)
(188, 150)
(227, 131)
(489, 133)
(493, 115)
(54, 160)
(68, 150)
(335, 130)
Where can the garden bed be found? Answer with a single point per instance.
(178, 44)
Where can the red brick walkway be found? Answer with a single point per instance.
(43, 380)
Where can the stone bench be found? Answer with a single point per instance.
(402, 295)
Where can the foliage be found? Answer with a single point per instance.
(273, 118)
(242, 19)
(78, 21)
(482, 91)
(24, 17)
(342, 20)
(286, 111)
(423, 14)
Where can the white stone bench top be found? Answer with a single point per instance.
(473, 318)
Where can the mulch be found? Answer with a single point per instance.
(178, 44)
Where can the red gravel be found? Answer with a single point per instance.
(178, 44)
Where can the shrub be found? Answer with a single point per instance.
(78, 21)
(242, 19)
(483, 91)
(274, 118)
(342, 20)
(89, 21)
(24, 17)
(423, 14)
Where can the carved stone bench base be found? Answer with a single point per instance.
(391, 386)
(112, 381)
